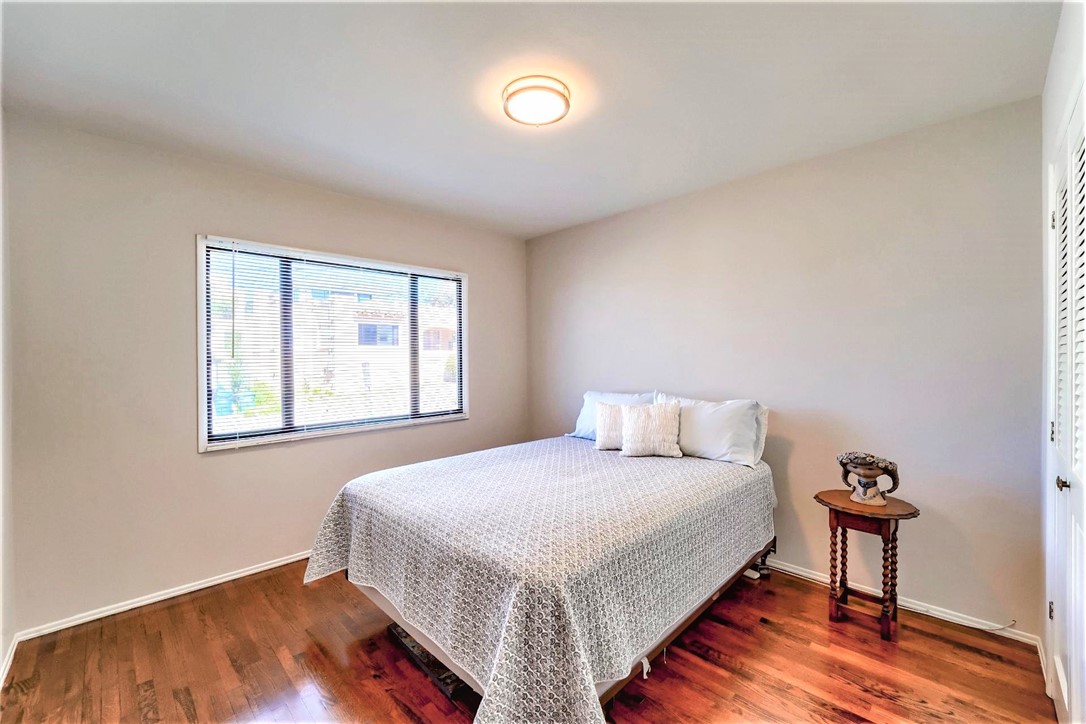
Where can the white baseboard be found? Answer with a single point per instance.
(921, 607)
(9, 656)
(137, 602)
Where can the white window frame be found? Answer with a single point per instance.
(205, 445)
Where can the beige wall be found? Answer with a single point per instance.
(111, 499)
(885, 298)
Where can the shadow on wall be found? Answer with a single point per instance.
(777, 454)
(800, 473)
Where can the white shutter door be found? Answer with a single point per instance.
(1065, 545)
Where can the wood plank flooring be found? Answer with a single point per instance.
(265, 648)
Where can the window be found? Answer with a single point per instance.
(386, 335)
(298, 344)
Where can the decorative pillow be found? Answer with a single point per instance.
(732, 431)
(608, 426)
(586, 421)
(651, 430)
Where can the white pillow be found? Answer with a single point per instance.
(651, 430)
(608, 426)
(586, 421)
(733, 431)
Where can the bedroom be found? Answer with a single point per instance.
(253, 253)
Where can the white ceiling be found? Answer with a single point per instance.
(402, 101)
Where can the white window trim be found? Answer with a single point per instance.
(204, 445)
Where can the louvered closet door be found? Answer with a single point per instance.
(1072, 500)
(1066, 548)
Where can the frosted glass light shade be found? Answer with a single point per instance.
(536, 100)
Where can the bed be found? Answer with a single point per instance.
(542, 573)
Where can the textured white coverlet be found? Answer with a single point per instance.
(544, 567)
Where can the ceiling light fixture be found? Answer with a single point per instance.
(536, 100)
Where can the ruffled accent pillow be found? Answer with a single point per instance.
(651, 430)
(608, 426)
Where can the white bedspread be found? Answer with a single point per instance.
(544, 567)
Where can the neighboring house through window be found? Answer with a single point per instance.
(384, 335)
(438, 339)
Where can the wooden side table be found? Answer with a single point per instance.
(882, 521)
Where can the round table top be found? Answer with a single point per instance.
(895, 508)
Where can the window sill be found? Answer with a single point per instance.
(213, 446)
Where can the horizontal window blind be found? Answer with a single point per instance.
(299, 344)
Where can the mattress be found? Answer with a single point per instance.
(543, 568)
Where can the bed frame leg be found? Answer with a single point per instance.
(763, 562)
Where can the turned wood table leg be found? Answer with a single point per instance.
(842, 593)
(884, 618)
(893, 569)
(833, 566)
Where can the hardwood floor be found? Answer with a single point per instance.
(266, 648)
